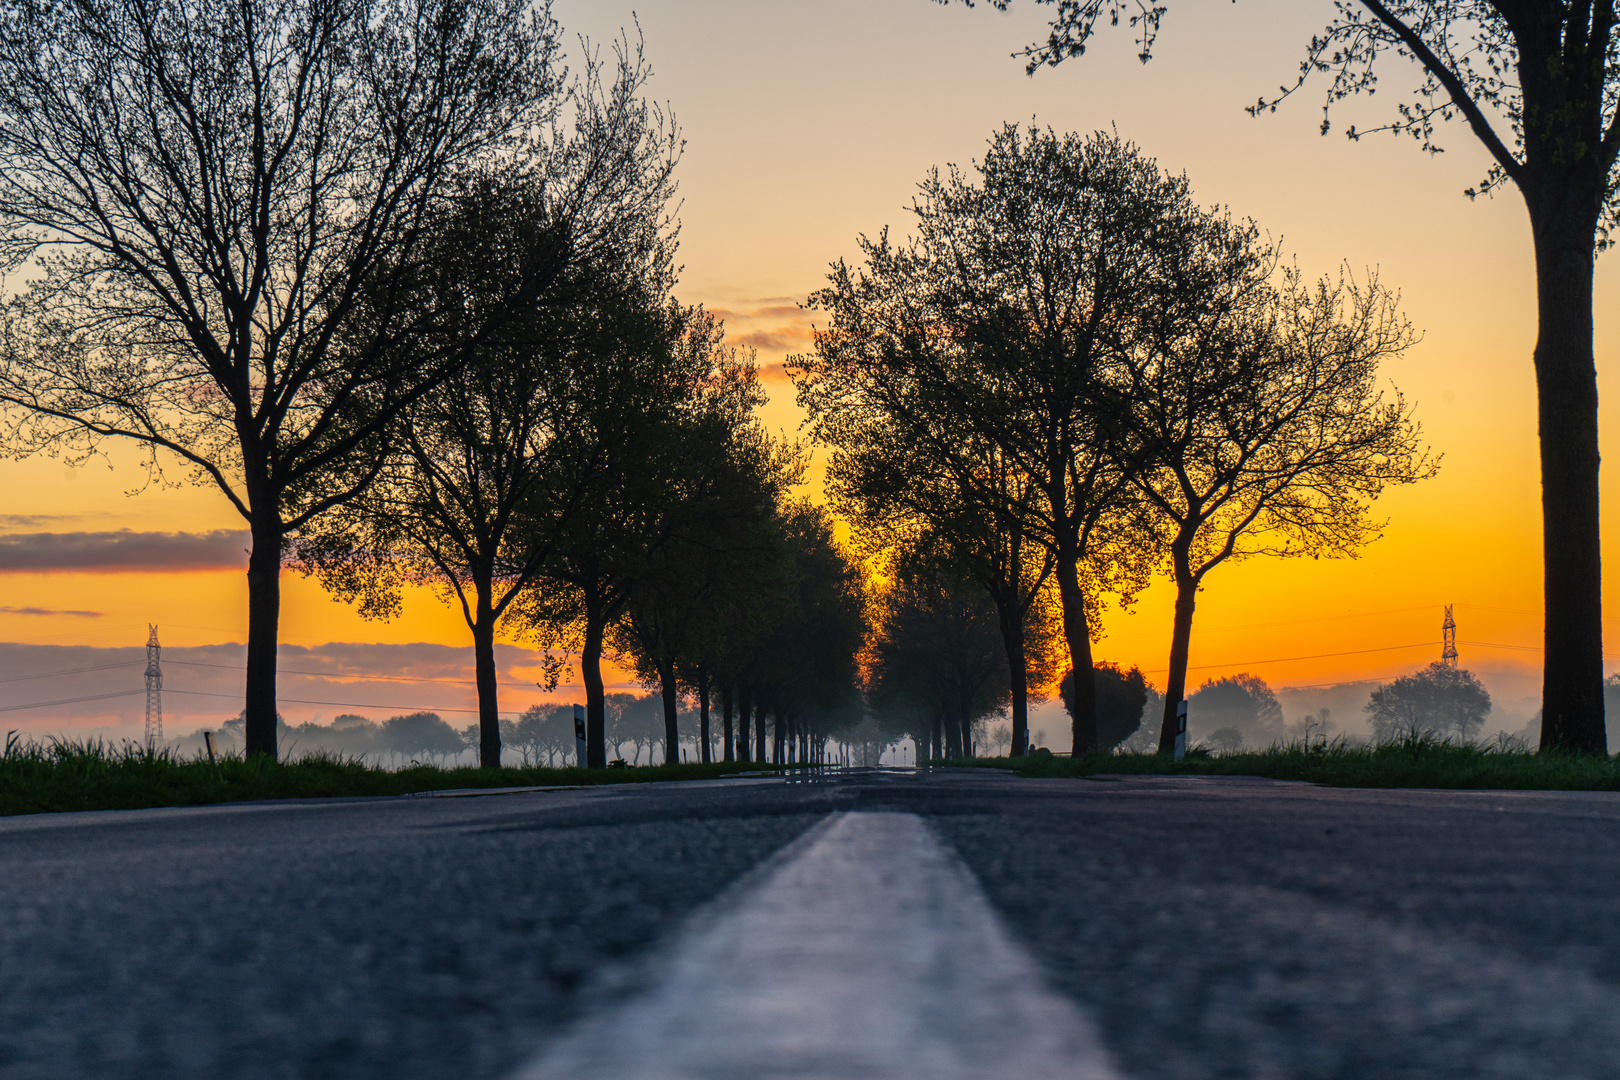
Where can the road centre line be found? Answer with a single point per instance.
(869, 950)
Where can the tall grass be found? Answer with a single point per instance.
(65, 774)
(1419, 761)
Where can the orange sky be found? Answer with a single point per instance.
(807, 124)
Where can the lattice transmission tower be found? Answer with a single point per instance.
(154, 690)
(1448, 635)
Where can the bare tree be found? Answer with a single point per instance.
(208, 192)
(1538, 84)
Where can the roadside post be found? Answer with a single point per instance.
(208, 741)
(1181, 729)
(579, 735)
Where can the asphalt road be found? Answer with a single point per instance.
(1207, 927)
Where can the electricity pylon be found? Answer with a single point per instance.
(154, 691)
(1448, 631)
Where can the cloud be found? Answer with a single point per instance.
(781, 339)
(23, 521)
(50, 611)
(123, 550)
(776, 324)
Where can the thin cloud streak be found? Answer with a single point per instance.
(7, 610)
(123, 550)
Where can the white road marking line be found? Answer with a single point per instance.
(870, 953)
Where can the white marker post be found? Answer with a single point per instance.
(579, 734)
(1181, 729)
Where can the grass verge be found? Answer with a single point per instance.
(1414, 763)
(67, 775)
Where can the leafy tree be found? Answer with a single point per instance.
(895, 491)
(1538, 84)
(991, 329)
(542, 730)
(675, 622)
(1121, 696)
(658, 442)
(486, 469)
(937, 649)
(420, 733)
(1255, 420)
(1243, 702)
(208, 192)
(1439, 700)
(804, 666)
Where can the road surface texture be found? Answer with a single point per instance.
(869, 924)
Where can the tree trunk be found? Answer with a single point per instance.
(590, 673)
(1077, 634)
(703, 716)
(779, 753)
(759, 734)
(967, 734)
(1180, 641)
(729, 747)
(672, 705)
(489, 717)
(1011, 614)
(1566, 386)
(953, 737)
(264, 626)
(744, 710)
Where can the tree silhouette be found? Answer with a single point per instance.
(1121, 697)
(1538, 84)
(993, 327)
(212, 194)
(673, 629)
(897, 492)
(802, 664)
(659, 441)
(1243, 702)
(937, 648)
(485, 469)
(1255, 421)
(1439, 700)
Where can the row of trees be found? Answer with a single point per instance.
(1073, 375)
(398, 285)
(1538, 86)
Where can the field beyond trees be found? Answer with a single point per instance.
(1416, 762)
(61, 776)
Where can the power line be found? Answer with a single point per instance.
(74, 700)
(1313, 656)
(342, 704)
(1314, 619)
(343, 675)
(70, 671)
